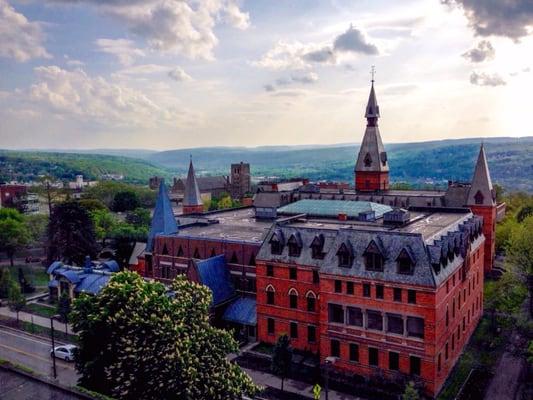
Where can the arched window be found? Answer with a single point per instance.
(317, 247)
(293, 298)
(478, 197)
(367, 160)
(405, 262)
(373, 257)
(295, 245)
(270, 294)
(311, 301)
(344, 255)
(276, 243)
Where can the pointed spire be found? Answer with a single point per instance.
(163, 221)
(372, 108)
(481, 191)
(192, 196)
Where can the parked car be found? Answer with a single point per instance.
(65, 352)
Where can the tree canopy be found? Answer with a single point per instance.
(282, 358)
(14, 233)
(125, 200)
(136, 341)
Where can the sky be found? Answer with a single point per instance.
(168, 74)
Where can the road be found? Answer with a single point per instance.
(34, 353)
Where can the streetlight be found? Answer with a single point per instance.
(328, 363)
(57, 317)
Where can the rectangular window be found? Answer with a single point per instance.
(397, 294)
(366, 289)
(270, 326)
(270, 297)
(375, 320)
(336, 313)
(379, 291)
(411, 296)
(294, 330)
(373, 356)
(293, 300)
(414, 364)
(447, 287)
(349, 287)
(270, 270)
(447, 316)
(453, 308)
(415, 327)
(335, 350)
(355, 316)
(394, 361)
(446, 351)
(464, 324)
(439, 362)
(453, 342)
(311, 333)
(338, 286)
(395, 324)
(311, 303)
(316, 278)
(354, 352)
(293, 273)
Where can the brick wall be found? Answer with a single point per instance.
(370, 181)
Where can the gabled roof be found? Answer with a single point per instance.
(372, 108)
(163, 221)
(92, 283)
(191, 196)
(214, 273)
(481, 188)
(242, 311)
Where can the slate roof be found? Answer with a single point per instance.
(332, 208)
(191, 196)
(481, 182)
(92, 283)
(214, 273)
(89, 279)
(163, 221)
(242, 311)
(205, 183)
(71, 276)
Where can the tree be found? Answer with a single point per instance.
(36, 224)
(63, 309)
(106, 191)
(124, 237)
(5, 282)
(410, 392)
(104, 222)
(92, 204)
(125, 200)
(163, 346)
(523, 213)
(282, 358)
(14, 233)
(16, 300)
(139, 218)
(70, 234)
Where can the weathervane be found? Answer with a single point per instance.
(373, 72)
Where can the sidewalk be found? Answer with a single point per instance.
(36, 319)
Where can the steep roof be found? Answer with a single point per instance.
(372, 156)
(242, 311)
(191, 196)
(481, 191)
(214, 273)
(163, 221)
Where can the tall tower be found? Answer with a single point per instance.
(372, 167)
(192, 200)
(482, 201)
(163, 221)
(240, 180)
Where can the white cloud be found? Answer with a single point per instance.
(185, 26)
(124, 50)
(179, 75)
(354, 41)
(485, 79)
(20, 39)
(482, 52)
(74, 95)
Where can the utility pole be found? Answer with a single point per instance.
(53, 346)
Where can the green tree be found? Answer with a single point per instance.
(63, 309)
(104, 222)
(524, 212)
(71, 234)
(282, 358)
(163, 347)
(125, 200)
(106, 191)
(92, 204)
(410, 392)
(36, 224)
(5, 282)
(225, 202)
(14, 233)
(16, 300)
(503, 233)
(140, 218)
(124, 237)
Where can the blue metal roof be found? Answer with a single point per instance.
(242, 311)
(53, 283)
(72, 276)
(214, 273)
(111, 266)
(163, 221)
(332, 208)
(55, 265)
(92, 283)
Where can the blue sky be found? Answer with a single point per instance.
(165, 74)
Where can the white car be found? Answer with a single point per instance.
(65, 352)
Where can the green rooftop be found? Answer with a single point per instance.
(332, 208)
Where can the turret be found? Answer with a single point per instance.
(192, 200)
(163, 221)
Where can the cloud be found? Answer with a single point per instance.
(186, 27)
(323, 55)
(512, 18)
(286, 55)
(305, 79)
(179, 75)
(269, 88)
(20, 39)
(353, 41)
(484, 79)
(74, 95)
(484, 51)
(123, 49)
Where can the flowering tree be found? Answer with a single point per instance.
(137, 341)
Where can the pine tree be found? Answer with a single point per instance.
(16, 300)
(410, 392)
(282, 358)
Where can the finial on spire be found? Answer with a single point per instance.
(373, 72)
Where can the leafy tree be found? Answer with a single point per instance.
(317, 391)
(282, 358)
(124, 237)
(36, 224)
(107, 190)
(503, 233)
(63, 309)
(14, 233)
(125, 200)
(163, 347)
(410, 392)
(5, 282)
(16, 300)
(25, 286)
(92, 204)
(71, 234)
(104, 222)
(500, 191)
(140, 218)
(524, 212)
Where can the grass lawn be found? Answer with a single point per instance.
(39, 309)
(264, 348)
(34, 273)
(37, 329)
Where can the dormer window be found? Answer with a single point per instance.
(276, 244)
(405, 263)
(345, 256)
(295, 246)
(367, 160)
(478, 197)
(373, 258)
(317, 247)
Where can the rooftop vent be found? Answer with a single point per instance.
(398, 216)
(369, 215)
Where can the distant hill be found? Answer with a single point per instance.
(510, 161)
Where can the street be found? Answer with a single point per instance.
(34, 353)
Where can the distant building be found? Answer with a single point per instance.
(17, 196)
(154, 182)
(240, 182)
(79, 184)
(112, 177)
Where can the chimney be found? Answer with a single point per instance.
(343, 217)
